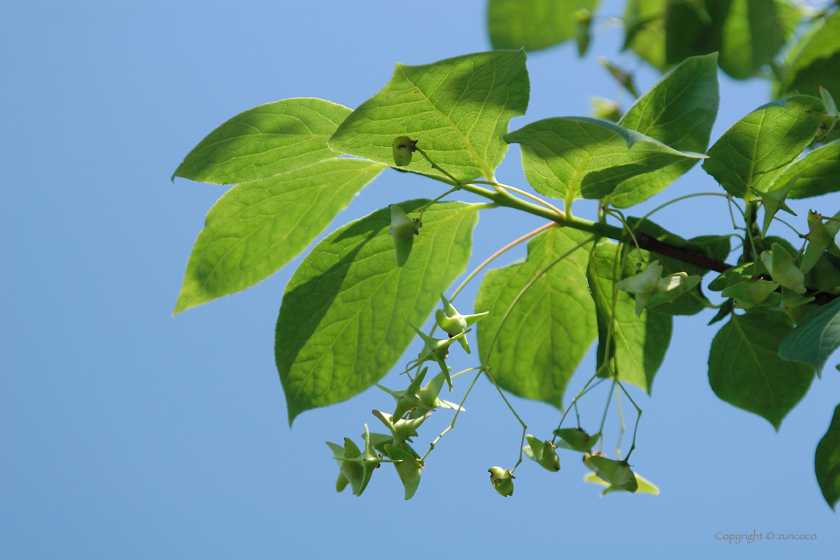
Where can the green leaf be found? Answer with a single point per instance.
(533, 24)
(581, 157)
(550, 328)
(679, 111)
(752, 292)
(342, 324)
(644, 30)
(746, 371)
(637, 344)
(264, 141)
(820, 171)
(815, 61)
(257, 227)
(752, 34)
(827, 461)
(747, 33)
(757, 149)
(717, 247)
(815, 338)
(733, 276)
(456, 109)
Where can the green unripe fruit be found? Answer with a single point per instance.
(341, 483)
(543, 452)
(403, 229)
(617, 473)
(502, 480)
(577, 439)
(401, 149)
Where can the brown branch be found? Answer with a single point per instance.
(650, 243)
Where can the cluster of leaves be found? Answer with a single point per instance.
(348, 312)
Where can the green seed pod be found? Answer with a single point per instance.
(577, 439)
(781, 267)
(408, 468)
(350, 470)
(643, 284)
(341, 483)
(401, 149)
(453, 323)
(502, 480)
(403, 229)
(606, 109)
(543, 452)
(751, 293)
(584, 19)
(402, 430)
(437, 350)
(617, 473)
(819, 240)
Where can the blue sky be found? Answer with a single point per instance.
(125, 433)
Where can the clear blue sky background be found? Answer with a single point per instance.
(125, 433)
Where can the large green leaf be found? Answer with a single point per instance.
(816, 61)
(755, 151)
(264, 141)
(679, 111)
(533, 24)
(644, 30)
(580, 157)
(549, 329)
(746, 371)
(342, 324)
(815, 338)
(746, 33)
(258, 227)
(456, 109)
(820, 172)
(752, 34)
(827, 461)
(637, 344)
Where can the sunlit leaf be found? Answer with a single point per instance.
(815, 61)
(755, 151)
(342, 324)
(258, 227)
(752, 34)
(456, 109)
(746, 371)
(550, 328)
(533, 24)
(746, 33)
(264, 141)
(679, 111)
(644, 30)
(581, 157)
